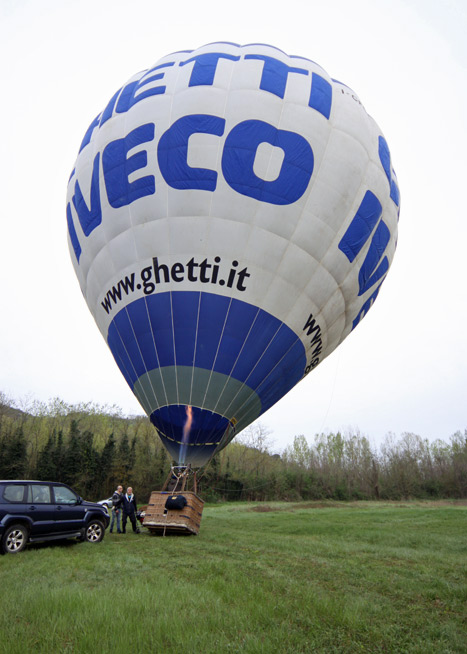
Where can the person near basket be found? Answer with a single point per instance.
(129, 510)
(116, 509)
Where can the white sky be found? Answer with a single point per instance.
(405, 367)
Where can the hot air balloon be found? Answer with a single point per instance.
(232, 214)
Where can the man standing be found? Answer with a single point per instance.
(116, 509)
(129, 510)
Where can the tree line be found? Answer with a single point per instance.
(94, 448)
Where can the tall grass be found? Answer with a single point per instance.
(283, 578)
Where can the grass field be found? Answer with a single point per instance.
(286, 578)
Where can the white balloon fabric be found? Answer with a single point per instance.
(231, 215)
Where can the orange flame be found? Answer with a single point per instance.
(187, 425)
(186, 433)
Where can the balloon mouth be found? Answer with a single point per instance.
(190, 434)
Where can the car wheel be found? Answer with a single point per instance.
(15, 539)
(94, 532)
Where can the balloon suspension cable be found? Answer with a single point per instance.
(178, 478)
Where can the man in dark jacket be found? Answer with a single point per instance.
(129, 510)
(116, 508)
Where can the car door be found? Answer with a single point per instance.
(69, 513)
(41, 509)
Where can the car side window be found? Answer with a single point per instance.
(39, 494)
(64, 495)
(13, 493)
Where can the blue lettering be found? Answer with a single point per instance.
(275, 74)
(172, 152)
(366, 307)
(108, 111)
(385, 158)
(205, 67)
(369, 273)
(273, 80)
(87, 136)
(320, 95)
(72, 232)
(239, 156)
(363, 223)
(128, 97)
(118, 167)
(375, 266)
(89, 218)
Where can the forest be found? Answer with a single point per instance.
(93, 448)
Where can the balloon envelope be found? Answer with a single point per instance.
(232, 214)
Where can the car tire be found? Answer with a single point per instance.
(14, 539)
(94, 532)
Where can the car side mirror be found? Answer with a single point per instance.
(79, 500)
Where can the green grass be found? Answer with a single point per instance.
(285, 578)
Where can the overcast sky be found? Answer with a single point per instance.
(404, 369)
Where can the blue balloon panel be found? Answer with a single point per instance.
(228, 359)
(206, 432)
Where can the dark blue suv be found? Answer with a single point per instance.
(34, 511)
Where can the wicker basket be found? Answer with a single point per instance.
(160, 520)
